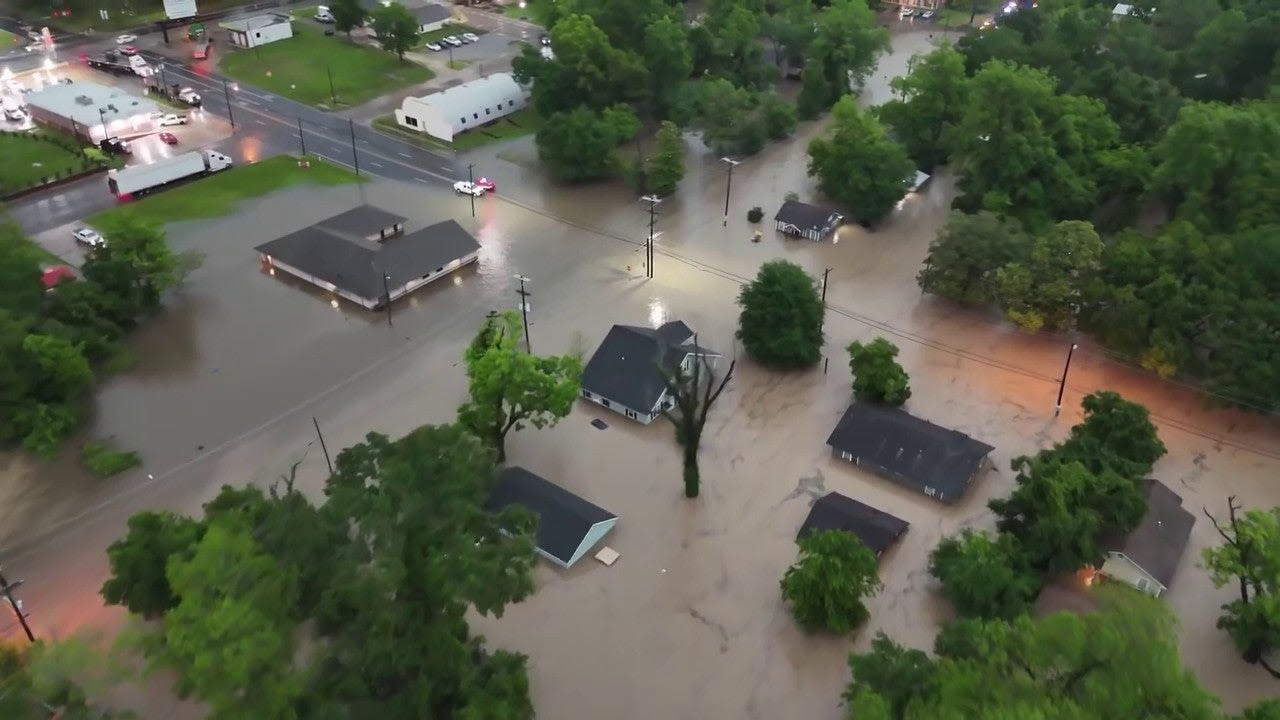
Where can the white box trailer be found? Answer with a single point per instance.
(139, 180)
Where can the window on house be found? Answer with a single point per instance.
(486, 111)
(511, 103)
(411, 121)
(631, 414)
(475, 116)
(586, 394)
(462, 120)
(605, 402)
(440, 269)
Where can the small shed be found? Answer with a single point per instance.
(431, 17)
(806, 221)
(568, 526)
(258, 30)
(878, 530)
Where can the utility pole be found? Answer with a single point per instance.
(524, 310)
(728, 186)
(323, 447)
(333, 95)
(301, 138)
(7, 588)
(825, 273)
(355, 158)
(1062, 384)
(164, 83)
(653, 201)
(386, 288)
(230, 115)
(471, 179)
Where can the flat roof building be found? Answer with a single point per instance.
(258, 30)
(84, 107)
(455, 110)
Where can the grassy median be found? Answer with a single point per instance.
(218, 194)
(300, 68)
(27, 160)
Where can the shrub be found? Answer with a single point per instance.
(781, 321)
(827, 585)
(755, 214)
(104, 461)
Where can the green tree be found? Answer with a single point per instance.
(57, 677)
(777, 115)
(984, 576)
(136, 265)
(891, 673)
(727, 116)
(577, 146)
(396, 29)
(669, 59)
(587, 70)
(858, 165)
(347, 15)
(738, 54)
(693, 392)
(781, 320)
(791, 28)
(1262, 710)
(969, 250)
(929, 101)
(1115, 434)
(63, 371)
(1047, 287)
(138, 562)
(665, 167)
(1217, 165)
(511, 388)
(1250, 558)
(46, 426)
(877, 377)
(843, 52)
(827, 585)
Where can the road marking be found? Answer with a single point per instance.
(405, 155)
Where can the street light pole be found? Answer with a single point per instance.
(825, 273)
(471, 179)
(323, 446)
(524, 310)
(301, 138)
(653, 201)
(164, 82)
(226, 93)
(728, 186)
(7, 588)
(386, 288)
(333, 95)
(355, 159)
(102, 119)
(1062, 384)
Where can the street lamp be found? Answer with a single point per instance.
(102, 117)
(227, 94)
(386, 288)
(524, 310)
(728, 186)
(653, 201)
(1062, 384)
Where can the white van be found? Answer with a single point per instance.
(323, 15)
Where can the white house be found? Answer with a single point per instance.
(258, 30)
(627, 373)
(431, 17)
(568, 527)
(1148, 557)
(470, 105)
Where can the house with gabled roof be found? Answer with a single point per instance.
(878, 530)
(1148, 557)
(628, 372)
(568, 526)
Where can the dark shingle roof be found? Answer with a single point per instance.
(357, 265)
(361, 221)
(1159, 541)
(932, 459)
(878, 530)
(432, 13)
(564, 519)
(806, 216)
(624, 369)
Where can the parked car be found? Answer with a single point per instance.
(88, 237)
(434, 47)
(125, 39)
(115, 146)
(470, 37)
(14, 113)
(323, 15)
(546, 40)
(168, 138)
(927, 15)
(452, 40)
(190, 97)
(487, 184)
(464, 187)
(127, 50)
(172, 119)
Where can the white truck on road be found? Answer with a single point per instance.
(138, 180)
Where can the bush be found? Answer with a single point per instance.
(755, 214)
(877, 377)
(826, 587)
(104, 461)
(781, 321)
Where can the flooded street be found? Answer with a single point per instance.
(689, 622)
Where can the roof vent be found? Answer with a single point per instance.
(84, 100)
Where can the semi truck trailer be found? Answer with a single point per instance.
(139, 180)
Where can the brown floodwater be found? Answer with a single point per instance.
(689, 622)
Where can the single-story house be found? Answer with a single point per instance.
(889, 441)
(568, 526)
(431, 17)
(258, 30)
(455, 110)
(876, 529)
(626, 373)
(806, 221)
(1148, 557)
(364, 255)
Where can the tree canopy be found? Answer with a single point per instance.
(858, 165)
(929, 102)
(395, 27)
(781, 320)
(836, 571)
(984, 576)
(877, 377)
(1249, 557)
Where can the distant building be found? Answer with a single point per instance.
(431, 17)
(364, 255)
(806, 221)
(88, 109)
(258, 30)
(464, 107)
(1148, 557)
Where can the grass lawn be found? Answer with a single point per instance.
(218, 194)
(446, 31)
(26, 161)
(522, 123)
(9, 41)
(299, 68)
(955, 17)
(532, 11)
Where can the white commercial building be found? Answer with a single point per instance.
(92, 110)
(259, 30)
(450, 112)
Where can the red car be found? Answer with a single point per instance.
(168, 138)
(487, 184)
(128, 50)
